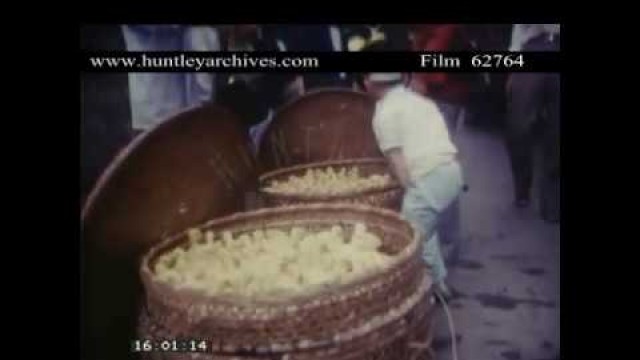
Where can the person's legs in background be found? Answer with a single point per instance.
(199, 85)
(154, 96)
(525, 101)
(530, 94)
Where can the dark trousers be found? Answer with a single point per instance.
(534, 119)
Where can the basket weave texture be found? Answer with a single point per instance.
(389, 197)
(417, 328)
(375, 317)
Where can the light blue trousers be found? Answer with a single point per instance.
(425, 202)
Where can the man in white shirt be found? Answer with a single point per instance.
(413, 135)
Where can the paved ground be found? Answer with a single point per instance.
(507, 278)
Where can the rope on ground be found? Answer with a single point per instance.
(452, 329)
(454, 342)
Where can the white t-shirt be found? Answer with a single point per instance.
(409, 121)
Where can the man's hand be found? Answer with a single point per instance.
(399, 167)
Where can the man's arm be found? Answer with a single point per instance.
(399, 166)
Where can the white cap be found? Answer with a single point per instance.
(385, 77)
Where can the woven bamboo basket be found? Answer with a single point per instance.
(375, 317)
(412, 342)
(389, 197)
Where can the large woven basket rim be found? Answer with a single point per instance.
(420, 296)
(394, 185)
(155, 286)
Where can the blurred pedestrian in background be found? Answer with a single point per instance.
(486, 105)
(534, 114)
(522, 34)
(449, 90)
(156, 96)
(316, 38)
(365, 37)
(255, 96)
(373, 37)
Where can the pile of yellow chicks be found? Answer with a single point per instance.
(328, 181)
(272, 263)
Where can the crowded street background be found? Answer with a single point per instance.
(478, 98)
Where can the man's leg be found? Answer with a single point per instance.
(432, 254)
(520, 147)
(424, 218)
(525, 99)
(423, 205)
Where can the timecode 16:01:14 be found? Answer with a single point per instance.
(170, 346)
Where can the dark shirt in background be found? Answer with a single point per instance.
(312, 38)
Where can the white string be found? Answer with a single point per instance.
(452, 330)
